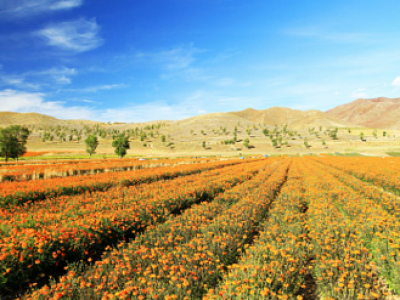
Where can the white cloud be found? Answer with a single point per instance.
(34, 80)
(396, 82)
(149, 112)
(77, 36)
(59, 75)
(20, 101)
(21, 8)
(17, 81)
(177, 58)
(359, 93)
(332, 36)
(106, 87)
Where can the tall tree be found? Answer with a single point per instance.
(121, 144)
(91, 144)
(12, 141)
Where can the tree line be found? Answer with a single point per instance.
(13, 141)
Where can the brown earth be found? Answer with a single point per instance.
(208, 134)
(294, 118)
(379, 112)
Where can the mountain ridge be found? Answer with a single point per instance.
(381, 112)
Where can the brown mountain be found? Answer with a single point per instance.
(374, 113)
(13, 118)
(292, 117)
(272, 116)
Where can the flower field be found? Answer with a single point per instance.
(49, 169)
(277, 228)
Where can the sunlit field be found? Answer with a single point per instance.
(262, 228)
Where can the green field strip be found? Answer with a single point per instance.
(83, 242)
(153, 263)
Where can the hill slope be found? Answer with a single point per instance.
(273, 116)
(292, 117)
(379, 112)
(13, 118)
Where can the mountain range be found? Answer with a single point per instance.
(372, 113)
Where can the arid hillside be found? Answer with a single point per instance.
(379, 112)
(279, 116)
(292, 117)
(13, 118)
(250, 132)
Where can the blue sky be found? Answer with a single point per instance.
(141, 60)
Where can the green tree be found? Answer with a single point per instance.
(91, 144)
(163, 138)
(121, 144)
(384, 133)
(143, 136)
(362, 136)
(12, 141)
(246, 143)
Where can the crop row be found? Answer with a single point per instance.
(378, 226)
(180, 259)
(17, 193)
(28, 172)
(275, 265)
(323, 227)
(50, 233)
(383, 172)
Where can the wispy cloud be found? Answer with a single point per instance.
(396, 82)
(78, 36)
(61, 75)
(330, 35)
(359, 93)
(34, 80)
(151, 111)
(176, 58)
(20, 101)
(97, 88)
(106, 87)
(17, 81)
(22, 8)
